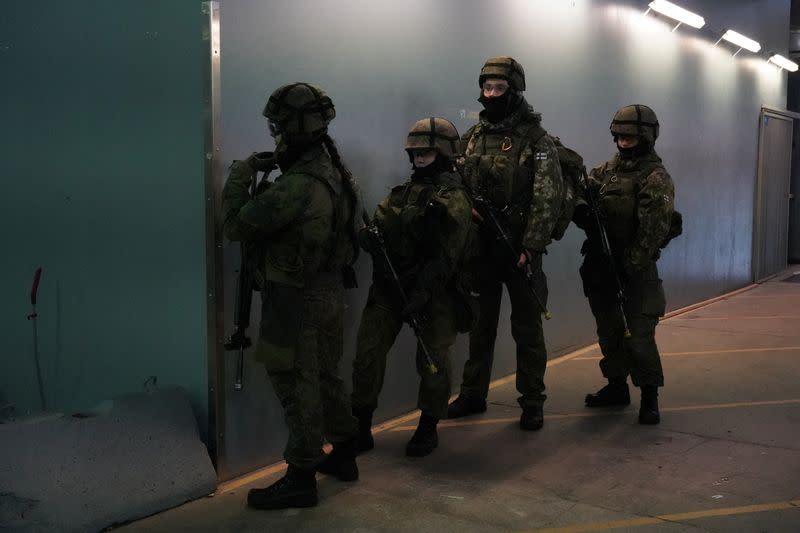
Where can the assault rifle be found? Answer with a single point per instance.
(594, 207)
(246, 283)
(413, 320)
(489, 212)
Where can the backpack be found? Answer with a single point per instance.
(572, 171)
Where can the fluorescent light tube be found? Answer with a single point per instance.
(741, 41)
(678, 13)
(782, 62)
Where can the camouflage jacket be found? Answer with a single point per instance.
(637, 200)
(296, 219)
(501, 163)
(426, 224)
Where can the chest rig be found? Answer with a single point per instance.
(619, 182)
(405, 219)
(504, 172)
(500, 165)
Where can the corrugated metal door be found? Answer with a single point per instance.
(771, 238)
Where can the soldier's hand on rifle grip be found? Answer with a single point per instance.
(237, 340)
(262, 162)
(369, 239)
(526, 257)
(582, 216)
(476, 217)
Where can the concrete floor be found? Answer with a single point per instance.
(726, 456)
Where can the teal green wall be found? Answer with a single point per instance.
(102, 143)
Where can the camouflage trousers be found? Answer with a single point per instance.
(645, 303)
(381, 322)
(526, 329)
(305, 376)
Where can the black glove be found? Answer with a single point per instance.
(368, 240)
(262, 162)
(582, 216)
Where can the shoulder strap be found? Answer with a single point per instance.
(469, 137)
(452, 181)
(649, 167)
(473, 130)
(535, 133)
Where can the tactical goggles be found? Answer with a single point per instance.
(499, 87)
(274, 128)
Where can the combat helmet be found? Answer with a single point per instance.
(637, 120)
(433, 133)
(505, 68)
(301, 111)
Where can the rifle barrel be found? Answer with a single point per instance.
(489, 211)
(416, 327)
(594, 206)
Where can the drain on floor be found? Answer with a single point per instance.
(793, 279)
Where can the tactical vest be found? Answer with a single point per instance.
(618, 197)
(281, 259)
(406, 220)
(505, 180)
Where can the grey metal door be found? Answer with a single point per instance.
(794, 200)
(771, 238)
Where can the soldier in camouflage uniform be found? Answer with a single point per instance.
(636, 198)
(425, 223)
(511, 162)
(305, 225)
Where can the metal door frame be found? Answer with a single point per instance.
(758, 235)
(212, 174)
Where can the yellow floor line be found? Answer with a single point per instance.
(712, 352)
(704, 303)
(675, 517)
(255, 475)
(593, 413)
(732, 317)
(766, 296)
(731, 405)
(261, 473)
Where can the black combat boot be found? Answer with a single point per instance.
(615, 393)
(648, 410)
(364, 442)
(532, 418)
(341, 462)
(465, 405)
(425, 439)
(298, 488)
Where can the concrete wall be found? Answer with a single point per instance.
(102, 187)
(386, 64)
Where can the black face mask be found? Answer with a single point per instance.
(439, 165)
(498, 107)
(641, 149)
